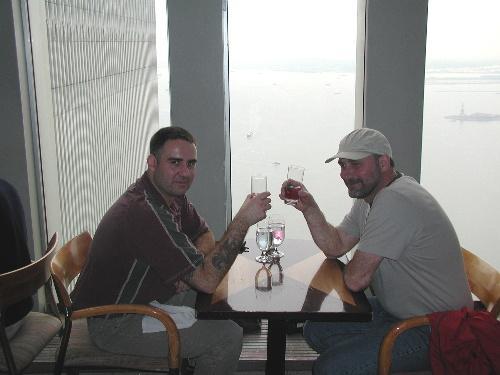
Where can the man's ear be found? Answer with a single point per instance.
(384, 162)
(152, 162)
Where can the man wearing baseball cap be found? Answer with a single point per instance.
(407, 251)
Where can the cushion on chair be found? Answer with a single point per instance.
(33, 335)
(83, 353)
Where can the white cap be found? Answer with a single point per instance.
(361, 143)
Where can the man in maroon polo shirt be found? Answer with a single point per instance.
(153, 247)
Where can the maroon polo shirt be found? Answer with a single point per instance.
(141, 248)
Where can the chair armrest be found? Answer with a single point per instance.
(155, 312)
(385, 351)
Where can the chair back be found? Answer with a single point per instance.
(17, 285)
(24, 282)
(484, 281)
(67, 264)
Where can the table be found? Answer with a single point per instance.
(304, 285)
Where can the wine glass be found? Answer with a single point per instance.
(276, 226)
(263, 237)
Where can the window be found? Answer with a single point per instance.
(94, 67)
(163, 71)
(461, 152)
(292, 97)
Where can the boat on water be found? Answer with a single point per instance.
(476, 116)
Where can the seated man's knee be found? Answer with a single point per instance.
(308, 329)
(235, 330)
(232, 333)
(310, 332)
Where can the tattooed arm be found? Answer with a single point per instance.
(205, 243)
(218, 261)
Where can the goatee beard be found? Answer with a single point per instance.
(361, 193)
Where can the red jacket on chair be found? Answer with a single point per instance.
(464, 342)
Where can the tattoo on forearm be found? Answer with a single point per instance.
(229, 248)
(223, 260)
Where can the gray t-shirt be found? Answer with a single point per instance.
(422, 270)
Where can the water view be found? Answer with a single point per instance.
(461, 155)
(278, 118)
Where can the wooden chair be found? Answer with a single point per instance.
(37, 328)
(484, 282)
(77, 350)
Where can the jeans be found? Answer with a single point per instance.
(352, 348)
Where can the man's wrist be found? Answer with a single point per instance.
(312, 213)
(240, 222)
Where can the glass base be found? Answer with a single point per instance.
(276, 254)
(263, 259)
(291, 202)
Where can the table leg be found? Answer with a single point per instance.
(276, 345)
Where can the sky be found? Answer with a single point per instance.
(463, 29)
(326, 29)
(288, 29)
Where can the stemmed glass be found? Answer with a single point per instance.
(263, 237)
(276, 226)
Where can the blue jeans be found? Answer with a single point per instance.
(352, 348)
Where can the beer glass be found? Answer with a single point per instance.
(258, 184)
(295, 172)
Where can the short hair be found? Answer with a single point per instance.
(166, 134)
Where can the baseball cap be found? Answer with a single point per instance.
(361, 143)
